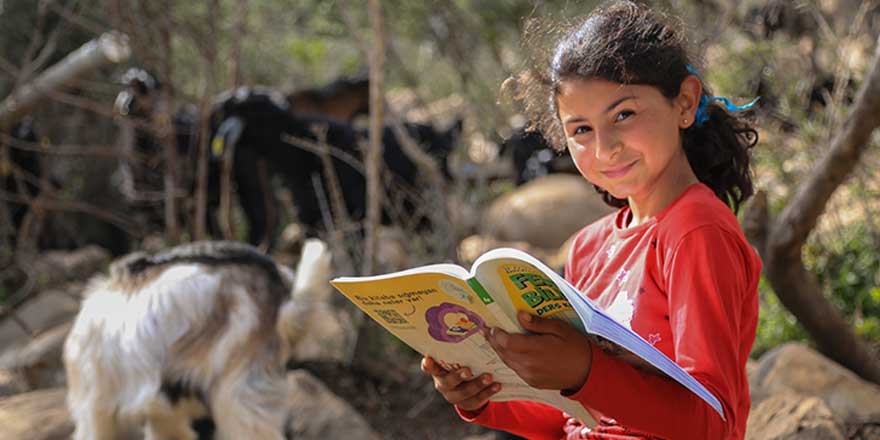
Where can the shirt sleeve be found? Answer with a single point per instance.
(531, 420)
(706, 279)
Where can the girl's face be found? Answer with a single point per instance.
(624, 138)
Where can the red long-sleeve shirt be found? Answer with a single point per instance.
(686, 281)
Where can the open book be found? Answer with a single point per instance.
(439, 310)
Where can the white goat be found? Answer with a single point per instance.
(218, 317)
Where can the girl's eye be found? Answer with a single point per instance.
(581, 129)
(625, 114)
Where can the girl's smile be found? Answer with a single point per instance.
(619, 171)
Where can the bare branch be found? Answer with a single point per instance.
(801, 214)
(109, 48)
(69, 150)
(318, 149)
(56, 204)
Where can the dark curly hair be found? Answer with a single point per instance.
(628, 43)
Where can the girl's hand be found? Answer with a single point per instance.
(554, 356)
(459, 387)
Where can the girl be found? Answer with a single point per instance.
(672, 263)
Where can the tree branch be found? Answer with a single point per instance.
(796, 287)
(801, 214)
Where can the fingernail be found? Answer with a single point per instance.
(496, 388)
(465, 374)
(487, 379)
(527, 317)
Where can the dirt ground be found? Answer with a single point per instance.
(401, 404)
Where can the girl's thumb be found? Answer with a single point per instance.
(537, 324)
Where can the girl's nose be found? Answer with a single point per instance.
(607, 144)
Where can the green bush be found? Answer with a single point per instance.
(848, 269)
(776, 325)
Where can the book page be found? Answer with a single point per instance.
(518, 285)
(441, 316)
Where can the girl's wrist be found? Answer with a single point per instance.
(579, 382)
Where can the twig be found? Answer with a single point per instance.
(70, 150)
(318, 148)
(55, 204)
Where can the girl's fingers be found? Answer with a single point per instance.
(480, 398)
(452, 380)
(430, 366)
(466, 390)
(460, 387)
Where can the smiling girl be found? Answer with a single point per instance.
(672, 263)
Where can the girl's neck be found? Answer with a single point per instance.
(668, 187)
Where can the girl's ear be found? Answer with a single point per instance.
(688, 100)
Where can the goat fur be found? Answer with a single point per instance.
(219, 317)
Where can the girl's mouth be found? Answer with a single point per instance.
(619, 171)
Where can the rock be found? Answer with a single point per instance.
(38, 362)
(868, 431)
(38, 415)
(796, 367)
(751, 368)
(11, 383)
(472, 247)
(790, 415)
(317, 413)
(56, 267)
(329, 335)
(48, 309)
(545, 212)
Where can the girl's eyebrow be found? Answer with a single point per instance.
(578, 119)
(617, 102)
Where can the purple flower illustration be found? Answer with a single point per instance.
(452, 323)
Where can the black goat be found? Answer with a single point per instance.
(343, 99)
(533, 156)
(138, 101)
(260, 129)
(20, 171)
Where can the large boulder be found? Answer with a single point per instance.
(48, 309)
(38, 360)
(329, 335)
(12, 383)
(794, 367)
(317, 413)
(472, 247)
(544, 212)
(793, 416)
(56, 267)
(38, 415)
(58, 278)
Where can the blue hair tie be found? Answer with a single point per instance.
(702, 114)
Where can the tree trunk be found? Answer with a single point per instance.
(373, 156)
(165, 131)
(780, 240)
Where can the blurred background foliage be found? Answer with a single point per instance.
(803, 58)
